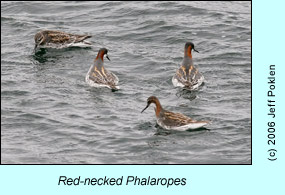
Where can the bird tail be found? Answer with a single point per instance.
(82, 38)
(114, 87)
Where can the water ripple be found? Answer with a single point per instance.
(50, 115)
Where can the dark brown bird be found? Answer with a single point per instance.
(58, 39)
(98, 76)
(173, 121)
(187, 76)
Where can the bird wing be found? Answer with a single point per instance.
(189, 76)
(111, 78)
(80, 38)
(175, 119)
(194, 75)
(58, 37)
(97, 76)
(181, 75)
(104, 77)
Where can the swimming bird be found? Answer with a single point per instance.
(58, 39)
(98, 76)
(187, 76)
(173, 121)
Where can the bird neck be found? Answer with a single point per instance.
(98, 64)
(100, 55)
(158, 108)
(187, 62)
(188, 52)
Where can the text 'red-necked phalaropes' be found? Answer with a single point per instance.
(98, 76)
(173, 121)
(187, 76)
(58, 40)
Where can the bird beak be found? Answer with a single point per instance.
(195, 50)
(108, 57)
(145, 108)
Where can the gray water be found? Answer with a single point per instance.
(50, 115)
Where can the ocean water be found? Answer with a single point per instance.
(49, 115)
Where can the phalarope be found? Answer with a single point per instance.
(173, 121)
(58, 39)
(187, 76)
(98, 76)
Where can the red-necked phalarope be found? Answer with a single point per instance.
(187, 76)
(58, 39)
(98, 76)
(173, 121)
